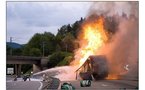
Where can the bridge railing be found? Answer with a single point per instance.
(23, 57)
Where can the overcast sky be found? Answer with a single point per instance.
(24, 19)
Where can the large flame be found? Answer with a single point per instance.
(92, 38)
(112, 76)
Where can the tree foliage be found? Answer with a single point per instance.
(40, 43)
(65, 61)
(35, 52)
(13, 51)
(57, 57)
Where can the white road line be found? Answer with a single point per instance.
(59, 87)
(104, 85)
(41, 84)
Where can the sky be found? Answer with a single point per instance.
(24, 19)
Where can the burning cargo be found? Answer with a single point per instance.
(94, 67)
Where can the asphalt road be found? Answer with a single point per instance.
(33, 84)
(23, 85)
(95, 85)
(107, 85)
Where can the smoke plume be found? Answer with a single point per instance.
(122, 48)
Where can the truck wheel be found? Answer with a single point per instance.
(81, 84)
(89, 83)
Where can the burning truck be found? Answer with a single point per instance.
(95, 67)
(92, 38)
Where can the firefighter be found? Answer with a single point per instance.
(15, 79)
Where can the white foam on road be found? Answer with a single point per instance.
(41, 84)
(63, 73)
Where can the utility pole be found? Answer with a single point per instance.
(11, 51)
(66, 47)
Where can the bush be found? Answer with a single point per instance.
(35, 52)
(58, 57)
(26, 67)
(65, 61)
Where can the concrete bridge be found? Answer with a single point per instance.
(39, 63)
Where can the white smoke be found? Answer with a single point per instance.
(122, 49)
(112, 8)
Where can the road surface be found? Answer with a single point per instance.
(107, 85)
(34, 84)
(95, 85)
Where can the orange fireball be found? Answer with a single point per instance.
(112, 76)
(93, 37)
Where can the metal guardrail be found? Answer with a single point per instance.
(51, 83)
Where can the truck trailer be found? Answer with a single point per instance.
(95, 67)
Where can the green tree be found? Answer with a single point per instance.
(26, 50)
(62, 31)
(13, 51)
(73, 29)
(45, 42)
(65, 61)
(8, 48)
(68, 43)
(35, 52)
(57, 57)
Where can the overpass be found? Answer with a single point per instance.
(39, 63)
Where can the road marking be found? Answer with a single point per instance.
(104, 85)
(14, 84)
(59, 87)
(41, 84)
(9, 81)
